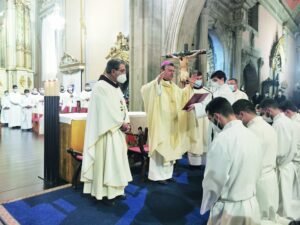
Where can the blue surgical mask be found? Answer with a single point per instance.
(231, 86)
(198, 83)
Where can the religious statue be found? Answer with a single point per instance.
(121, 49)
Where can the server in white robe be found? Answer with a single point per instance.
(63, 96)
(27, 104)
(219, 89)
(238, 94)
(105, 168)
(267, 192)
(15, 108)
(35, 97)
(198, 131)
(287, 148)
(71, 100)
(84, 97)
(232, 169)
(290, 110)
(5, 108)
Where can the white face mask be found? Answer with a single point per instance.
(15, 90)
(27, 94)
(122, 78)
(215, 128)
(267, 119)
(198, 83)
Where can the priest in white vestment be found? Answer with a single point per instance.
(5, 108)
(267, 192)
(105, 168)
(238, 94)
(27, 104)
(287, 148)
(232, 169)
(84, 97)
(15, 108)
(290, 110)
(63, 96)
(35, 97)
(198, 131)
(166, 125)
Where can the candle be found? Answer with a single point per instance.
(51, 87)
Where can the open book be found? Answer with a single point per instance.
(196, 98)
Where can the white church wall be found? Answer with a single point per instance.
(103, 23)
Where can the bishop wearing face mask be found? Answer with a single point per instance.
(165, 120)
(198, 129)
(232, 169)
(15, 108)
(84, 97)
(105, 168)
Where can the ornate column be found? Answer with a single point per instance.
(203, 42)
(27, 38)
(146, 41)
(11, 35)
(2, 43)
(20, 40)
(237, 70)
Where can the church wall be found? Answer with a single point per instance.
(267, 29)
(103, 23)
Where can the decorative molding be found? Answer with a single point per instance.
(121, 49)
(70, 65)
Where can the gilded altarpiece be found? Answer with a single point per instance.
(18, 45)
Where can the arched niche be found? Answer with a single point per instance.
(217, 50)
(251, 80)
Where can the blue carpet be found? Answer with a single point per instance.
(146, 203)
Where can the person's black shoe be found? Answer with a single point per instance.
(108, 202)
(121, 197)
(171, 180)
(163, 182)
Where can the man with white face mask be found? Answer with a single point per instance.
(84, 97)
(15, 109)
(27, 104)
(5, 104)
(199, 131)
(267, 185)
(232, 169)
(105, 168)
(238, 94)
(287, 148)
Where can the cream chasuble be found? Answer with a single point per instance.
(105, 167)
(167, 127)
